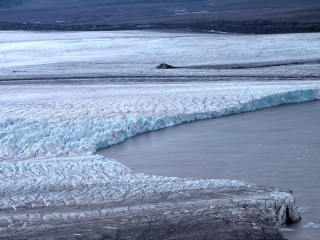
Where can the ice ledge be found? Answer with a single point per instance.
(94, 189)
(135, 126)
(22, 138)
(283, 206)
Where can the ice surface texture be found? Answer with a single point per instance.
(137, 53)
(51, 180)
(96, 198)
(108, 115)
(53, 186)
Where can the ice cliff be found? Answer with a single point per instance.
(24, 138)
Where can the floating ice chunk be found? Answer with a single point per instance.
(310, 224)
(286, 229)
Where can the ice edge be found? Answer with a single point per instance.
(56, 138)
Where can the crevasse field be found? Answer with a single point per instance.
(64, 95)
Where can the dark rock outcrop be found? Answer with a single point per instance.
(165, 66)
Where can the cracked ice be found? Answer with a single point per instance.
(51, 180)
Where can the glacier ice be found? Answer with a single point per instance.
(126, 52)
(46, 193)
(28, 138)
(50, 176)
(53, 186)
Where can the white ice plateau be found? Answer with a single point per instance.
(48, 132)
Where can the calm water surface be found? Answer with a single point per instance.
(277, 147)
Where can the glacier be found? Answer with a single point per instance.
(28, 138)
(53, 186)
(39, 197)
(50, 177)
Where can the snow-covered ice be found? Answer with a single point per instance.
(49, 132)
(129, 53)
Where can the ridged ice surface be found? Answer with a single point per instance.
(53, 186)
(46, 194)
(66, 120)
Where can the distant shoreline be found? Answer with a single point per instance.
(216, 27)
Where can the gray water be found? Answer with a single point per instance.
(276, 147)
